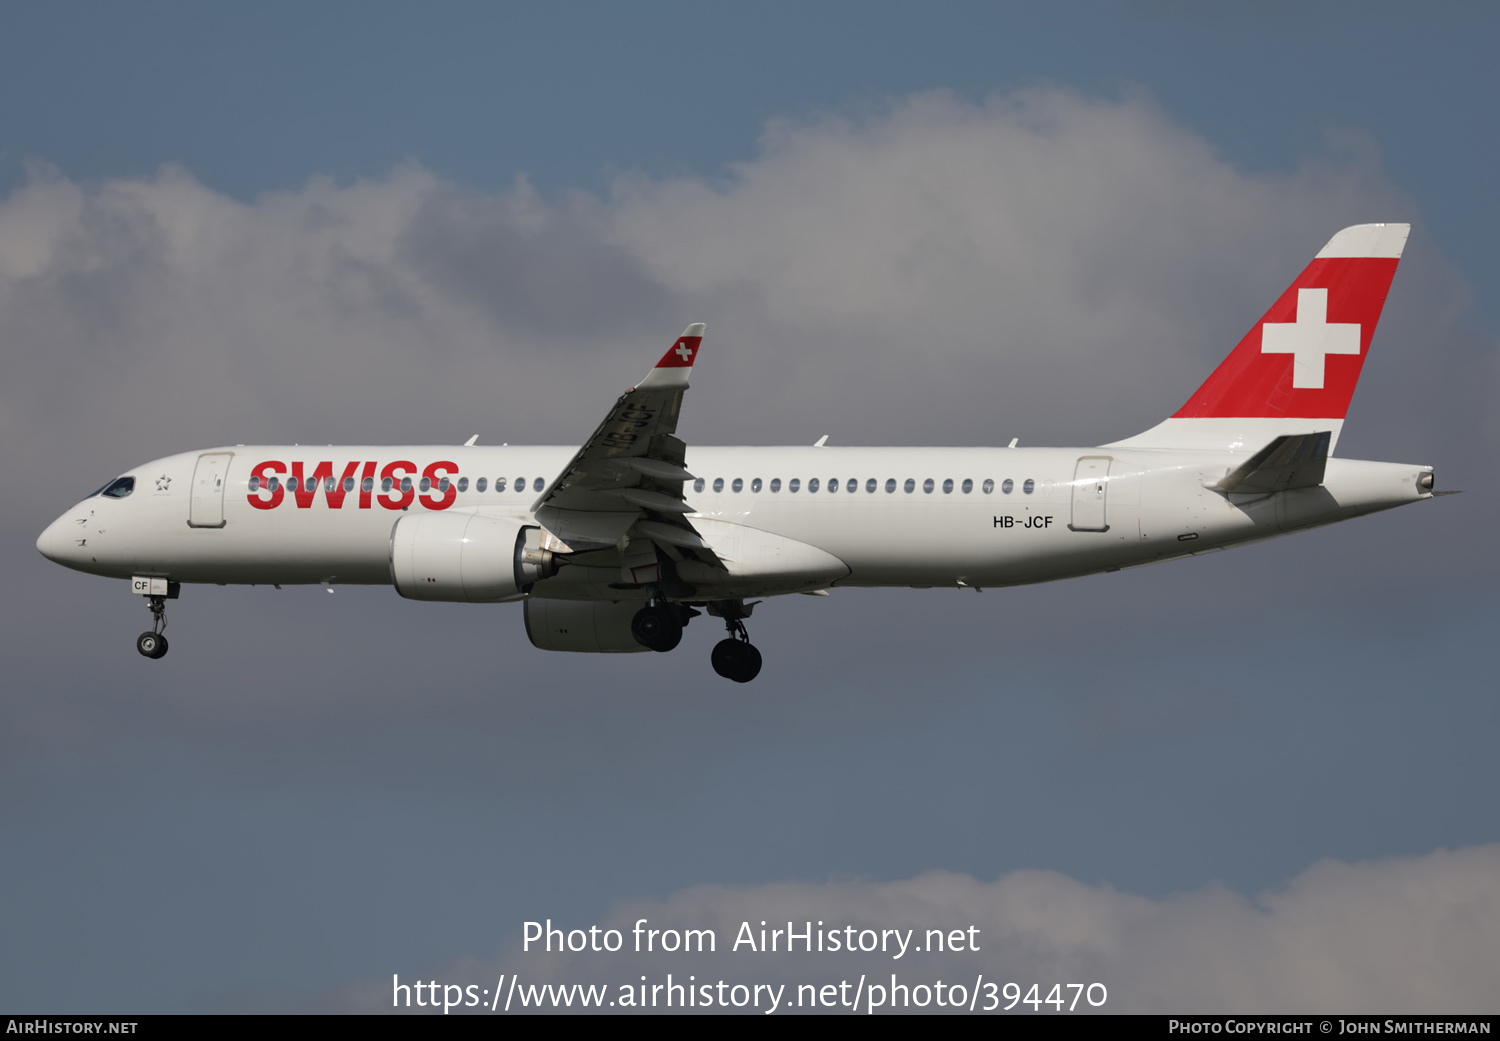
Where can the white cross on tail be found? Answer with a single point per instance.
(684, 352)
(1310, 339)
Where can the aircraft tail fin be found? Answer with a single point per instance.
(1295, 371)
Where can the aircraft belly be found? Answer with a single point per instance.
(942, 544)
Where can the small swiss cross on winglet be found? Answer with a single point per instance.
(677, 364)
(685, 349)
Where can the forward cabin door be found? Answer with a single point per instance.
(207, 507)
(1090, 489)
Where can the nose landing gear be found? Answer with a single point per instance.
(154, 643)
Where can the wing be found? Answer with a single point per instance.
(625, 483)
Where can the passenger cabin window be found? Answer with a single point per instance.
(812, 485)
(348, 484)
(499, 484)
(479, 485)
(968, 486)
(890, 485)
(699, 484)
(755, 485)
(927, 486)
(989, 485)
(776, 484)
(738, 485)
(254, 485)
(1029, 486)
(538, 484)
(1007, 486)
(794, 484)
(718, 484)
(948, 486)
(910, 486)
(870, 485)
(463, 484)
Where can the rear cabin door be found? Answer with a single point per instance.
(1090, 488)
(207, 507)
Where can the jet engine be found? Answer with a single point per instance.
(466, 557)
(596, 626)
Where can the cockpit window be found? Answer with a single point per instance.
(119, 488)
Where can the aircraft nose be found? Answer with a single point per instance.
(52, 541)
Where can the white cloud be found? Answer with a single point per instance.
(931, 271)
(1408, 935)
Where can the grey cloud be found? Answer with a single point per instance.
(998, 258)
(548, 273)
(1043, 265)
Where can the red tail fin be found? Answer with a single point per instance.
(1296, 370)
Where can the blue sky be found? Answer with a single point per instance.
(315, 792)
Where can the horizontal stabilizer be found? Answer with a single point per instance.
(1290, 461)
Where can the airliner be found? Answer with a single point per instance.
(616, 545)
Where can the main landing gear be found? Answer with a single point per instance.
(736, 658)
(658, 626)
(154, 643)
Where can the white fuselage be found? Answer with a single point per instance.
(1056, 520)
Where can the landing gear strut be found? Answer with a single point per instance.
(736, 657)
(154, 643)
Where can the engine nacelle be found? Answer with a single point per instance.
(590, 626)
(466, 557)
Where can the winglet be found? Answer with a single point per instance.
(677, 364)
